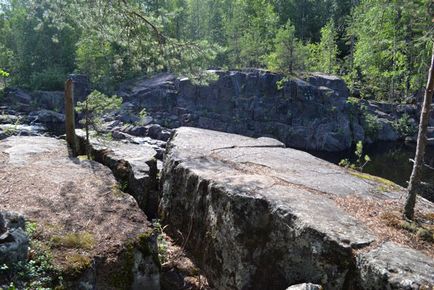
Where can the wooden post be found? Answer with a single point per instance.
(70, 116)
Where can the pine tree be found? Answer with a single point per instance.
(288, 55)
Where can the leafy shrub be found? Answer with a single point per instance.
(361, 161)
(371, 124)
(51, 79)
(404, 126)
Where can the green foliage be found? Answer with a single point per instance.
(392, 48)
(289, 54)
(95, 106)
(381, 47)
(36, 273)
(323, 56)
(404, 126)
(3, 74)
(371, 124)
(361, 160)
(161, 241)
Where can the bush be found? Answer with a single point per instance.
(371, 125)
(50, 79)
(361, 161)
(404, 126)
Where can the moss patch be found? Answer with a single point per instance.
(82, 240)
(384, 184)
(76, 264)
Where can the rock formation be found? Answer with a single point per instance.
(260, 216)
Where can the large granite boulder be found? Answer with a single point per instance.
(260, 216)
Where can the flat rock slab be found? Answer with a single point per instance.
(134, 165)
(261, 216)
(67, 197)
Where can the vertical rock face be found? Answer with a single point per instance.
(310, 114)
(259, 216)
(2, 225)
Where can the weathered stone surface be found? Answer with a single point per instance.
(305, 286)
(311, 113)
(13, 240)
(135, 166)
(260, 216)
(395, 267)
(250, 103)
(65, 196)
(46, 116)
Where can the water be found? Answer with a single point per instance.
(390, 160)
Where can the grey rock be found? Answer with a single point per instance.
(146, 120)
(46, 116)
(2, 225)
(333, 82)
(263, 215)
(395, 267)
(305, 286)
(140, 131)
(311, 113)
(164, 135)
(387, 132)
(117, 135)
(9, 119)
(13, 239)
(132, 164)
(154, 131)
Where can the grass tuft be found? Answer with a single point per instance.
(82, 240)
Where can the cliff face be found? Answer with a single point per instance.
(308, 114)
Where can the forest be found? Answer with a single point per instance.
(380, 47)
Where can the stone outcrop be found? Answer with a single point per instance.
(13, 239)
(251, 103)
(96, 234)
(311, 113)
(134, 165)
(260, 216)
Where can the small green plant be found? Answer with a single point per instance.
(361, 161)
(36, 273)
(371, 125)
(13, 129)
(161, 241)
(3, 76)
(82, 240)
(404, 126)
(94, 107)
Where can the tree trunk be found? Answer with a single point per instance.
(70, 116)
(416, 175)
(87, 124)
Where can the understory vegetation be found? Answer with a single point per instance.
(380, 47)
(38, 272)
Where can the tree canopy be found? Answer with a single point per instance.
(381, 47)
